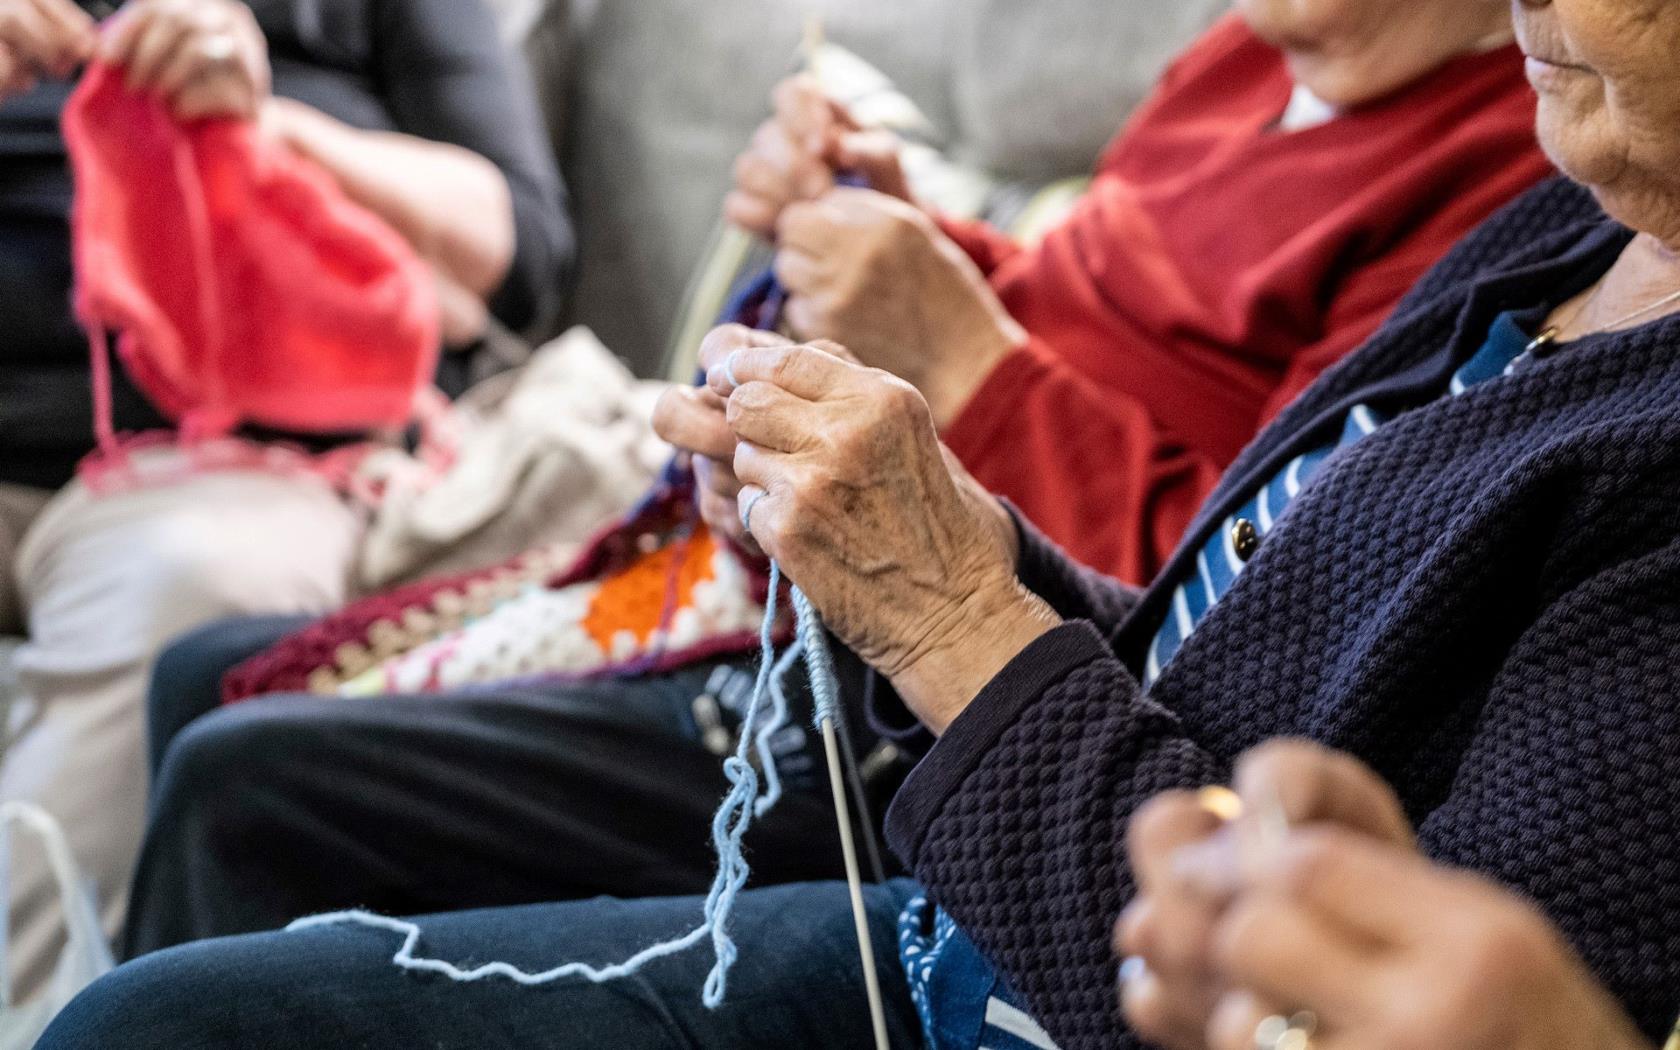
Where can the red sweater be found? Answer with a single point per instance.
(1216, 267)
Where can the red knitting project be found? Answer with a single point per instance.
(244, 285)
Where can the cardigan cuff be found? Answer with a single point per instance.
(939, 776)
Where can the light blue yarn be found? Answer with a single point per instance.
(819, 662)
(777, 721)
(729, 825)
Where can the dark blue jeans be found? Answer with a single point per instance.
(797, 984)
(289, 806)
(187, 678)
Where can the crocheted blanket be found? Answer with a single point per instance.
(653, 592)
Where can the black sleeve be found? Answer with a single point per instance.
(1074, 591)
(1016, 822)
(448, 78)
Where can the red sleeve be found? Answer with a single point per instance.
(987, 245)
(1089, 467)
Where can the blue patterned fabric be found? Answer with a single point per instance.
(1220, 562)
(962, 1002)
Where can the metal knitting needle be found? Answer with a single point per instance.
(854, 883)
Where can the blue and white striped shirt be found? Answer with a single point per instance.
(1228, 550)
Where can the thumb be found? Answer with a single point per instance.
(1312, 784)
(875, 156)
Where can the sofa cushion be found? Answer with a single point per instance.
(654, 98)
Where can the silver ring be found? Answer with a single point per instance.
(1278, 1032)
(747, 509)
(219, 49)
(729, 369)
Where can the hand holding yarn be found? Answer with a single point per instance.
(41, 38)
(909, 562)
(880, 276)
(693, 420)
(1187, 851)
(797, 154)
(205, 58)
(1332, 915)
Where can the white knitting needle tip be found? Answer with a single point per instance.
(854, 882)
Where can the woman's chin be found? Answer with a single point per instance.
(1579, 144)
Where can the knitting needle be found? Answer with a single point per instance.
(810, 48)
(854, 883)
(811, 51)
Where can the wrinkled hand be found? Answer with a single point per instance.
(845, 483)
(1336, 914)
(41, 38)
(1187, 855)
(1390, 952)
(796, 155)
(695, 420)
(880, 277)
(205, 58)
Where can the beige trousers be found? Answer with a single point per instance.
(105, 582)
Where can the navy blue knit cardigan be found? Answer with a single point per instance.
(1482, 600)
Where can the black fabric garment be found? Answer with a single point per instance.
(293, 805)
(435, 69)
(1481, 600)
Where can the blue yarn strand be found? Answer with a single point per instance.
(729, 826)
(777, 721)
(813, 639)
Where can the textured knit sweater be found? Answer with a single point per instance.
(1216, 267)
(1482, 600)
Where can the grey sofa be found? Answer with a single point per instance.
(650, 100)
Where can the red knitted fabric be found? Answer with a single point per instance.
(245, 286)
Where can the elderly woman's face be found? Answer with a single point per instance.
(1608, 76)
(1354, 51)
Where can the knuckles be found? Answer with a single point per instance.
(720, 342)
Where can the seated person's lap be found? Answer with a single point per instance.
(337, 986)
(291, 805)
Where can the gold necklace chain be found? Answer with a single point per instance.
(1549, 337)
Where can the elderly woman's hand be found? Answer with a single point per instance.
(880, 276)
(846, 485)
(205, 58)
(1186, 851)
(796, 155)
(1302, 897)
(41, 38)
(694, 420)
(1385, 951)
